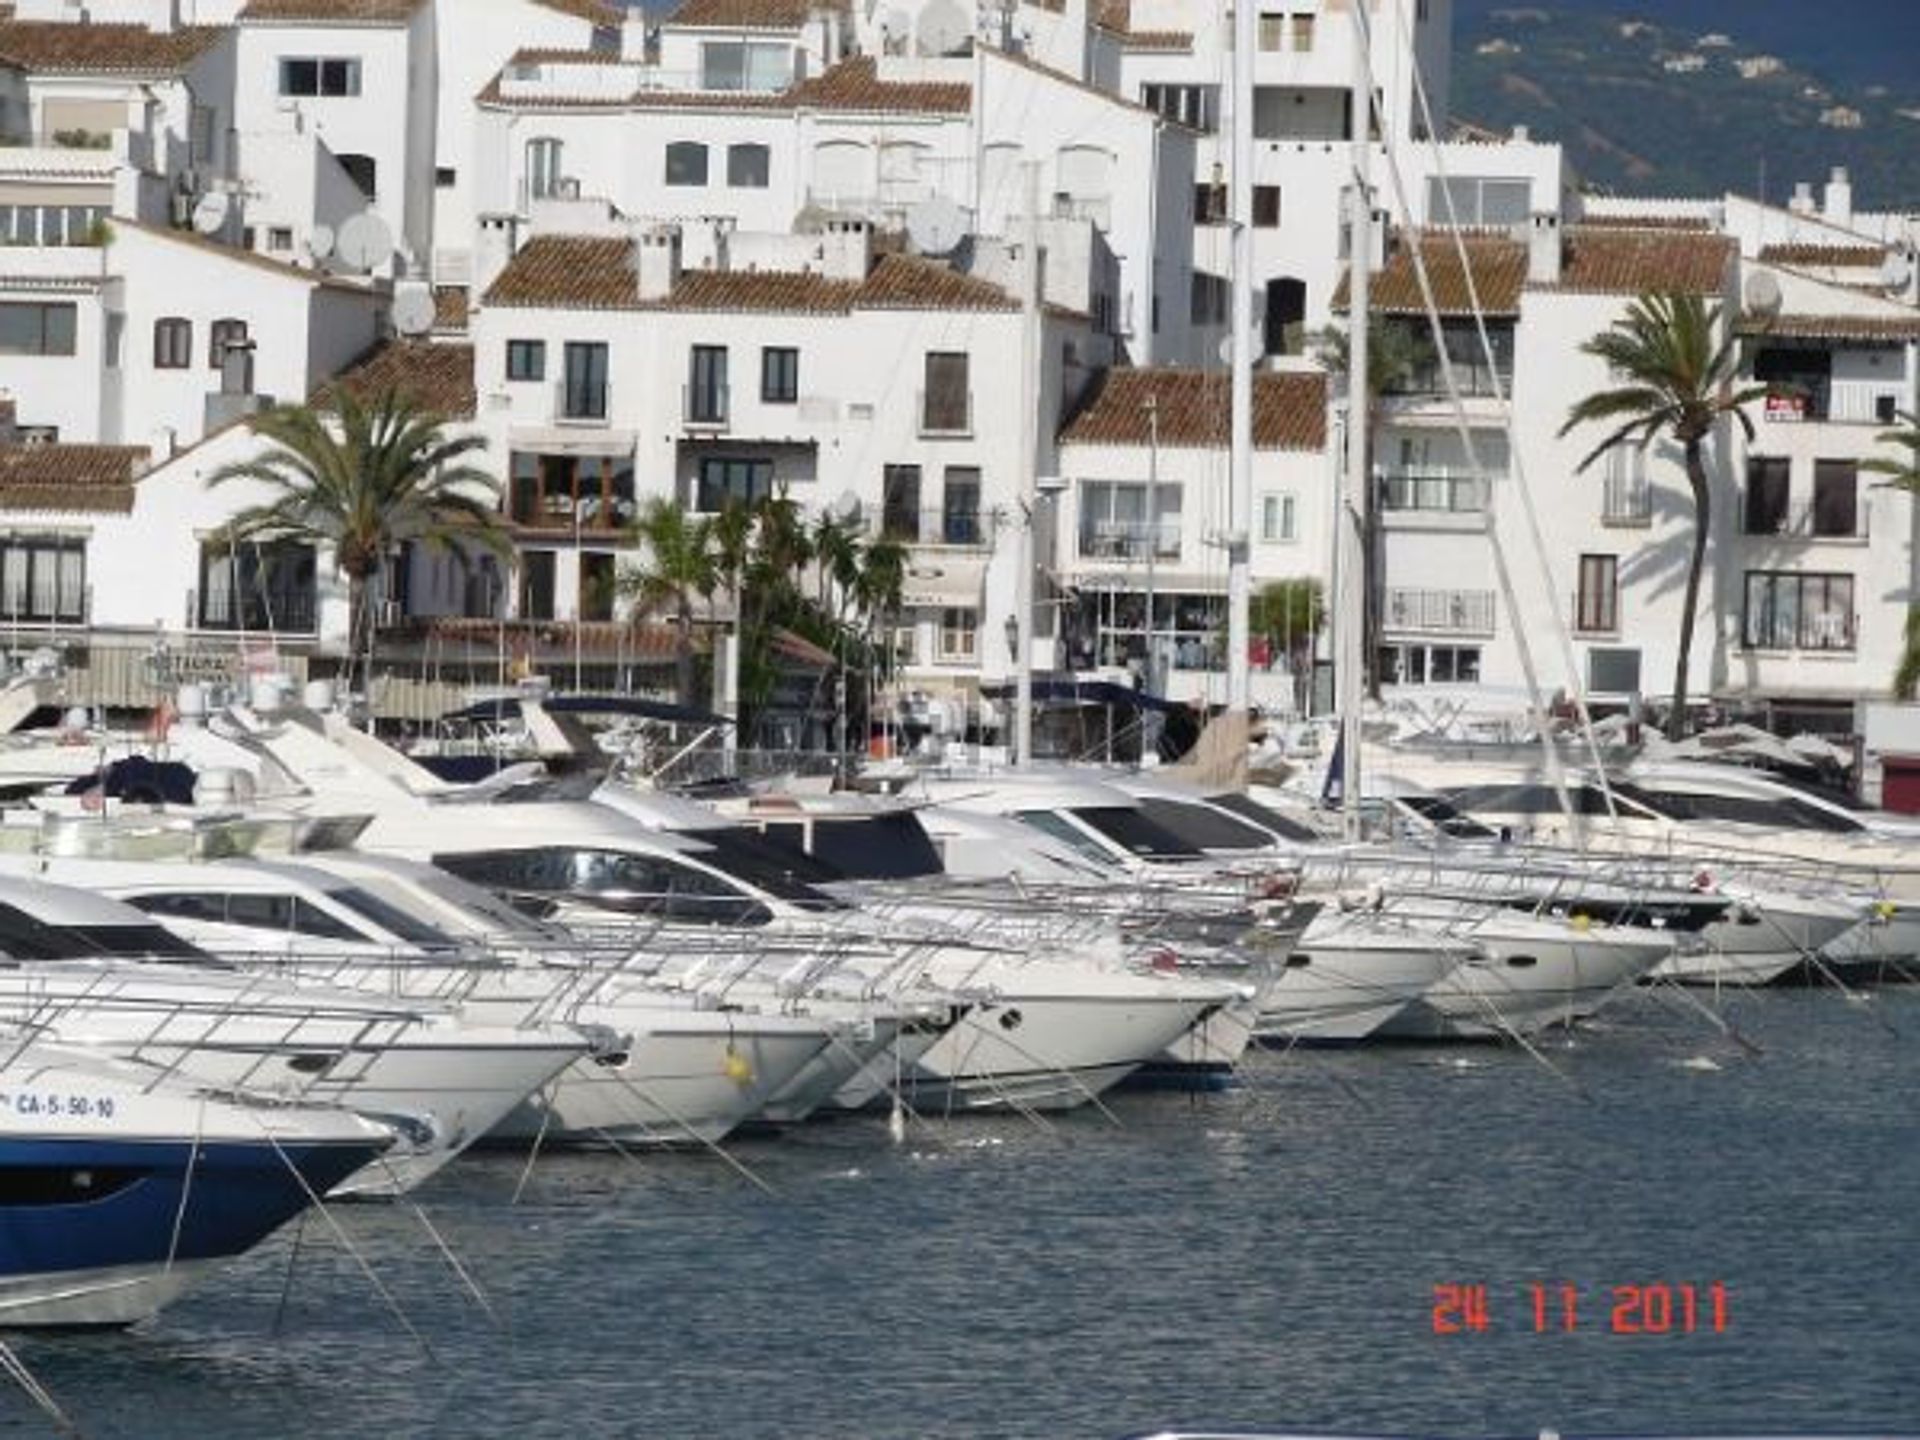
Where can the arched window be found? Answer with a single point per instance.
(220, 335)
(686, 163)
(748, 166)
(172, 343)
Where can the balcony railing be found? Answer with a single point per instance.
(576, 404)
(292, 612)
(1475, 379)
(1130, 539)
(1805, 520)
(706, 406)
(946, 416)
(1596, 612)
(1448, 612)
(1436, 487)
(959, 529)
(1835, 402)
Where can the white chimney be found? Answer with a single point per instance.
(497, 242)
(846, 249)
(655, 258)
(1838, 207)
(1802, 202)
(1543, 248)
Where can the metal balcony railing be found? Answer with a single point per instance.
(1805, 520)
(1130, 539)
(1436, 487)
(944, 416)
(578, 404)
(956, 528)
(1626, 499)
(1596, 612)
(1447, 612)
(706, 406)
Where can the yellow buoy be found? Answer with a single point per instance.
(1582, 923)
(1886, 910)
(736, 1068)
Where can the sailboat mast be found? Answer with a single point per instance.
(1350, 614)
(1240, 465)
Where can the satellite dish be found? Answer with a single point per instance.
(936, 226)
(847, 507)
(1763, 295)
(320, 241)
(944, 28)
(1897, 270)
(364, 242)
(896, 24)
(413, 308)
(210, 212)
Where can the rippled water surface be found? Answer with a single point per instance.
(1263, 1256)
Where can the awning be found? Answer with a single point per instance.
(572, 440)
(938, 584)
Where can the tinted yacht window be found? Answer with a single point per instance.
(1138, 833)
(748, 856)
(615, 880)
(1247, 808)
(878, 847)
(1202, 828)
(1058, 827)
(25, 937)
(392, 919)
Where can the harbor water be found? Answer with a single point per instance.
(1267, 1255)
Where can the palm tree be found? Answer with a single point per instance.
(1290, 614)
(1677, 377)
(363, 480)
(1903, 474)
(1396, 354)
(680, 565)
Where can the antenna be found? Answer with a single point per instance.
(413, 308)
(364, 242)
(210, 212)
(936, 226)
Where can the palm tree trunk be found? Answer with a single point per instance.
(359, 638)
(1702, 523)
(683, 653)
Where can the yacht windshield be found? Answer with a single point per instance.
(1202, 828)
(876, 847)
(747, 855)
(1267, 818)
(1445, 818)
(1782, 813)
(392, 919)
(622, 881)
(26, 937)
(1137, 833)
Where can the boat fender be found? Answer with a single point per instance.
(1885, 910)
(1581, 923)
(736, 1067)
(1703, 881)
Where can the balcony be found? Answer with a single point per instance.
(945, 417)
(578, 404)
(1805, 521)
(706, 407)
(1432, 488)
(952, 529)
(1834, 402)
(1130, 539)
(284, 612)
(1441, 612)
(1627, 500)
(1596, 612)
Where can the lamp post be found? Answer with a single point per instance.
(1153, 535)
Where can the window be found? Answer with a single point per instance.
(52, 224)
(444, 177)
(686, 163)
(1210, 204)
(1478, 201)
(1195, 106)
(1273, 31)
(1597, 605)
(900, 503)
(43, 577)
(536, 584)
(1278, 522)
(748, 166)
(303, 76)
(258, 587)
(732, 480)
(779, 375)
(1836, 498)
(743, 65)
(960, 509)
(611, 879)
(1430, 664)
(543, 168)
(1266, 206)
(1212, 299)
(32, 328)
(172, 343)
(707, 385)
(1768, 486)
(946, 406)
(959, 633)
(526, 359)
(1787, 611)
(585, 393)
(279, 238)
(548, 490)
(597, 586)
(1302, 33)
(220, 335)
(1114, 523)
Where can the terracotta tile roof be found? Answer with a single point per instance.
(1289, 410)
(745, 14)
(784, 291)
(69, 477)
(332, 12)
(602, 14)
(907, 282)
(856, 85)
(1889, 328)
(568, 272)
(1621, 260)
(1835, 256)
(121, 49)
(437, 377)
(1497, 264)
(450, 308)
